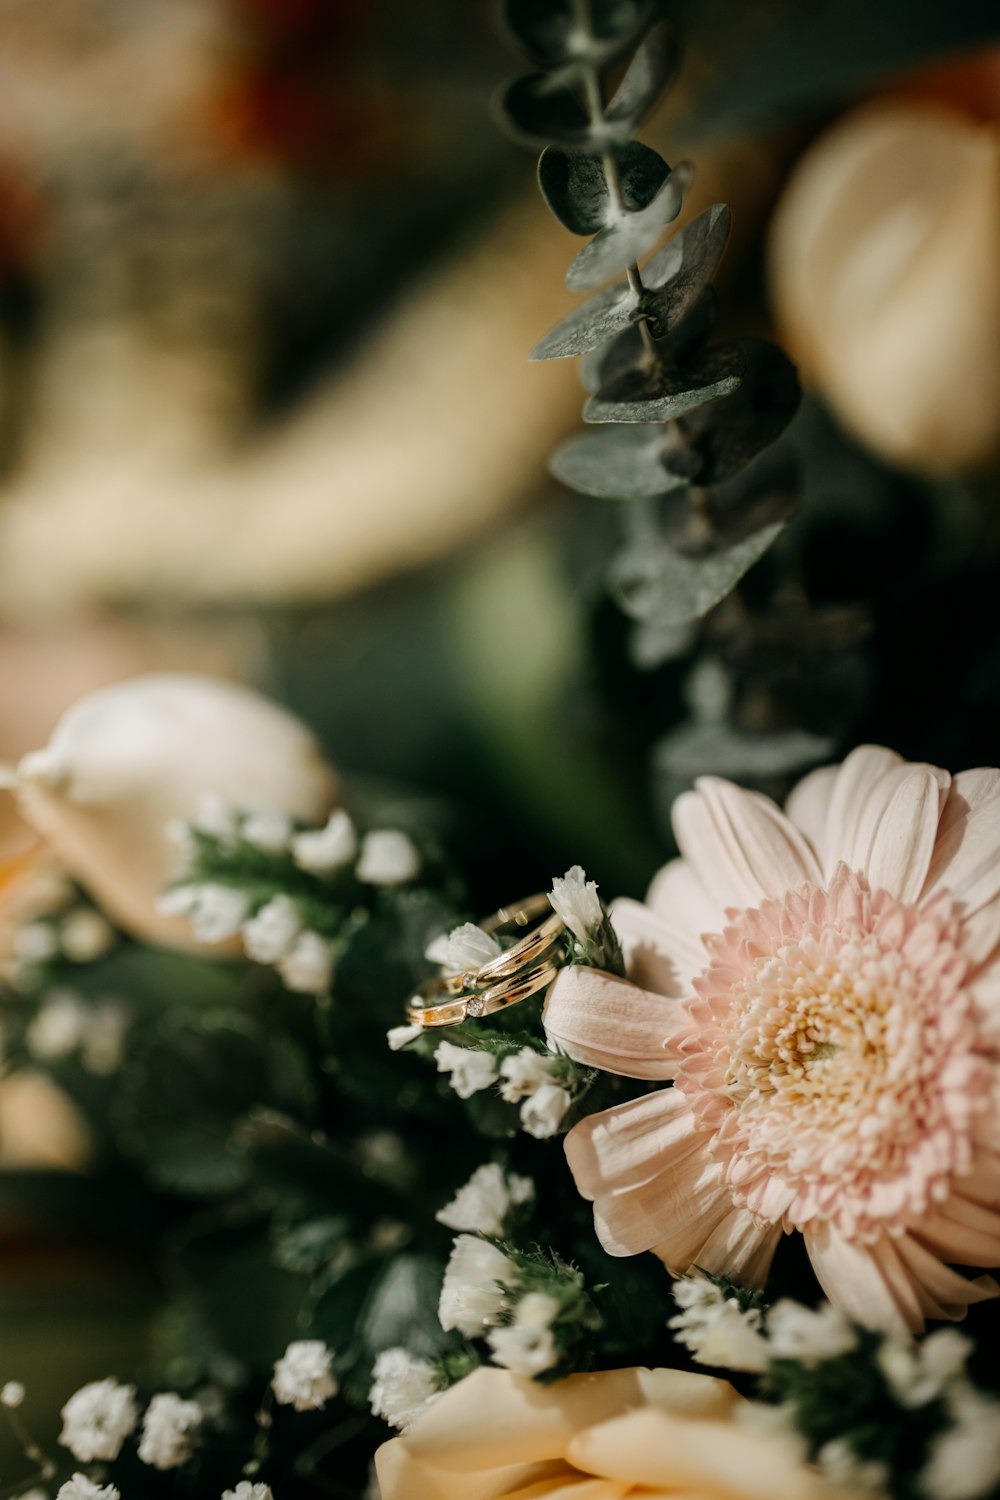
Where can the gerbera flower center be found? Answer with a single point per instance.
(834, 1047)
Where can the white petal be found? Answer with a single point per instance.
(658, 956)
(902, 841)
(808, 806)
(967, 854)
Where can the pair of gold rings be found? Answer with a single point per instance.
(521, 970)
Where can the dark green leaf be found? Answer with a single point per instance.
(630, 237)
(549, 31)
(618, 462)
(645, 78)
(659, 390)
(401, 1307)
(574, 185)
(662, 584)
(719, 750)
(729, 436)
(536, 109)
(307, 1170)
(183, 1095)
(674, 281)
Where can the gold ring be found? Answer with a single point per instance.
(422, 1010)
(515, 974)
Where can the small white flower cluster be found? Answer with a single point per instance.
(247, 1491)
(964, 1459)
(101, 1415)
(81, 934)
(526, 1077)
(302, 1376)
(479, 1298)
(65, 1024)
(79, 1487)
(483, 1204)
(716, 1329)
(276, 935)
(402, 1386)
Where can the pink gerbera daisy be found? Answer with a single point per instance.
(823, 987)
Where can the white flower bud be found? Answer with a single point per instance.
(399, 1037)
(402, 1385)
(307, 967)
(388, 857)
(323, 850)
(126, 763)
(267, 830)
(523, 1073)
(471, 1298)
(482, 1205)
(465, 947)
(268, 936)
(168, 1429)
(575, 899)
(302, 1376)
(470, 1070)
(82, 1488)
(527, 1346)
(543, 1112)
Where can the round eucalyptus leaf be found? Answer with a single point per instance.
(731, 435)
(574, 184)
(537, 108)
(660, 390)
(645, 78)
(550, 33)
(617, 462)
(674, 281)
(671, 587)
(630, 237)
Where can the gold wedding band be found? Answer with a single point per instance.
(520, 971)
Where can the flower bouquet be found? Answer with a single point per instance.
(461, 1190)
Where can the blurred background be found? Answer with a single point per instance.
(269, 276)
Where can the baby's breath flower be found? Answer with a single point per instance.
(575, 899)
(473, 1292)
(919, 1373)
(267, 830)
(527, 1346)
(543, 1112)
(82, 1488)
(98, 1419)
(168, 1428)
(401, 1036)
(388, 857)
(269, 934)
(964, 1462)
(806, 1335)
(465, 947)
(716, 1328)
(307, 967)
(484, 1202)
(215, 912)
(523, 1073)
(247, 1491)
(85, 935)
(12, 1395)
(469, 1070)
(321, 851)
(402, 1385)
(302, 1376)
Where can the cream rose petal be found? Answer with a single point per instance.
(606, 1022)
(650, 1448)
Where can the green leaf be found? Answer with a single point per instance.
(575, 188)
(538, 108)
(646, 389)
(630, 238)
(617, 462)
(308, 1171)
(183, 1095)
(549, 31)
(659, 583)
(401, 1307)
(674, 280)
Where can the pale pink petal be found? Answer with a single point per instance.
(741, 846)
(981, 933)
(624, 1146)
(943, 1293)
(808, 807)
(673, 1214)
(902, 839)
(855, 781)
(962, 1232)
(967, 854)
(657, 956)
(606, 1022)
(678, 899)
(864, 1281)
(740, 1247)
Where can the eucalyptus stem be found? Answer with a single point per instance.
(595, 103)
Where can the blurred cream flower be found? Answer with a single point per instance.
(884, 255)
(130, 761)
(603, 1437)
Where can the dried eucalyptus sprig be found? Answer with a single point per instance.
(683, 423)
